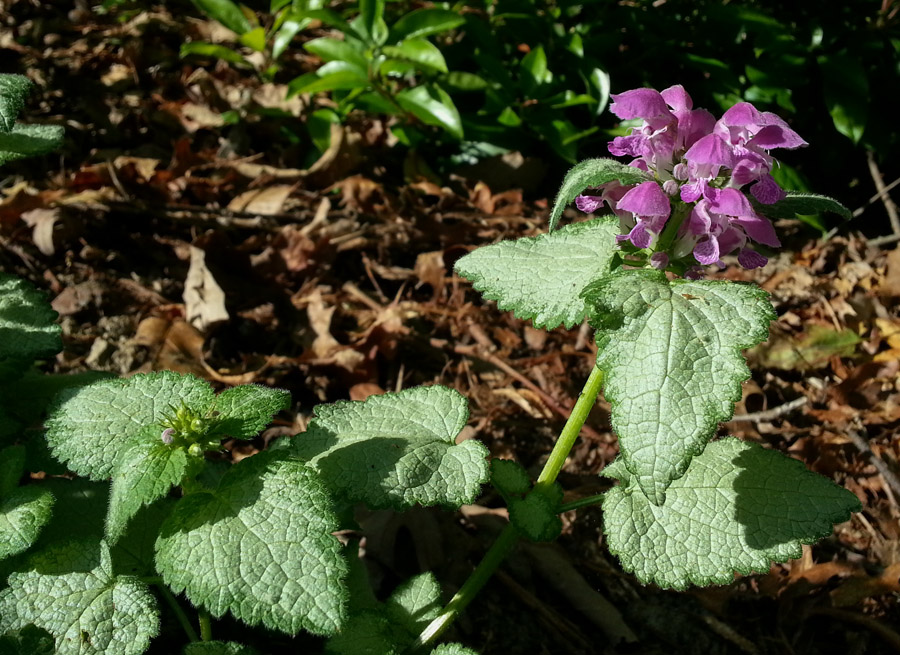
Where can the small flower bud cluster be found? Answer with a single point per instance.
(697, 160)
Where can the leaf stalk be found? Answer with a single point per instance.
(508, 538)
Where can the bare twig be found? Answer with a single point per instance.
(878, 196)
(889, 205)
(775, 412)
(547, 399)
(889, 476)
(883, 241)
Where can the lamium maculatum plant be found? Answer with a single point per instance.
(135, 506)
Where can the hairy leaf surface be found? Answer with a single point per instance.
(453, 649)
(70, 590)
(23, 513)
(390, 627)
(739, 508)
(27, 323)
(397, 450)
(244, 411)
(146, 471)
(671, 353)
(217, 648)
(803, 203)
(29, 141)
(91, 427)
(592, 173)
(259, 546)
(13, 92)
(541, 278)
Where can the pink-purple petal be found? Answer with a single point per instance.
(740, 115)
(759, 229)
(777, 136)
(767, 191)
(751, 259)
(588, 204)
(707, 250)
(639, 103)
(711, 149)
(646, 199)
(659, 260)
(729, 201)
(640, 236)
(677, 98)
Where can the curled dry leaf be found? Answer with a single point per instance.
(42, 222)
(203, 297)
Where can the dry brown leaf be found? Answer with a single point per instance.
(856, 589)
(175, 345)
(144, 166)
(430, 270)
(363, 390)
(262, 201)
(42, 222)
(116, 73)
(73, 299)
(536, 339)
(195, 117)
(275, 96)
(890, 284)
(325, 346)
(203, 297)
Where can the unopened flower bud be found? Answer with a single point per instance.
(195, 450)
(659, 260)
(694, 273)
(680, 171)
(168, 435)
(197, 425)
(670, 187)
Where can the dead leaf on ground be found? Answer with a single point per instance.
(325, 346)
(810, 350)
(42, 222)
(174, 344)
(203, 297)
(262, 201)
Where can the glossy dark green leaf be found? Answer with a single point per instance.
(423, 54)
(425, 22)
(331, 49)
(255, 39)
(227, 13)
(433, 106)
(203, 49)
(335, 75)
(846, 90)
(534, 72)
(286, 33)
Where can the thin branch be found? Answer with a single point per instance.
(775, 412)
(883, 241)
(548, 400)
(881, 466)
(889, 204)
(878, 196)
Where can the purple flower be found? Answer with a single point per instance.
(588, 204)
(650, 205)
(751, 259)
(709, 164)
(659, 260)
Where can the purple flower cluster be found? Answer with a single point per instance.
(703, 161)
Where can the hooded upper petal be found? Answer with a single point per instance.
(646, 199)
(711, 149)
(639, 103)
